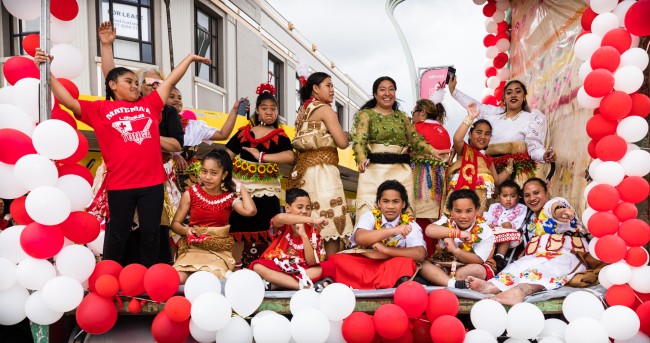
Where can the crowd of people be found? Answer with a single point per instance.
(420, 213)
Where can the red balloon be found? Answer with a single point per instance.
(80, 153)
(161, 282)
(80, 227)
(17, 68)
(70, 87)
(599, 127)
(620, 295)
(490, 71)
(636, 21)
(134, 306)
(633, 189)
(18, 211)
(442, 302)
(583, 32)
(489, 100)
(104, 267)
(603, 198)
(31, 42)
(591, 148)
(615, 105)
(412, 298)
(406, 338)
(489, 41)
(60, 114)
(498, 93)
(602, 224)
(421, 330)
(606, 57)
(500, 60)
(625, 210)
(502, 27)
(20, 143)
(96, 314)
(178, 308)
(610, 249)
(643, 311)
(587, 18)
(132, 279)
(598, 83)
(619, 38)
(358, 327)
(65, 10)
(640, 105)
(107, 286)
(489, 9)
(76, 169)
(611, 148)
(447, 329)
(391, 321)
(636, 256)
(635, 232)
(165, 330)
(41, 241)
(502, 35)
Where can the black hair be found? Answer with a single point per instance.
(292, 194)
(478, 122)
(463, 194)
(393, 185)
(258, 102)
(223, 159)
(375, 85)
(524, 105)
(509, 184)
(112, 76)
(314, 79)
(538, 180)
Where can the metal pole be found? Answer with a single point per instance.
(45, 96)
(390, 8)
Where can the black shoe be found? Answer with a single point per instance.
(501, 262)
(401, 281)
(460, 284)
(419, 279)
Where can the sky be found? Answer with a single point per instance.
(359, 37)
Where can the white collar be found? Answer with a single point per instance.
(385, 221)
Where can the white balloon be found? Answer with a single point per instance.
(488, 91)
(593, 166)
(336, 332)
(634, 57)
(310, 325)
(493, 82)
(525, 321)
(479, 2)
(77, 189)
(9, 187)
(602, 277)
(587, 101)
(201, 335)
(488, 63)
(516, 340)
(273, 329)
(603, 23)
(201, 282)
(479, 336)
(603, 6)
(499, 16)
(237, 331)
(553, 328)
(245, 291)
(636, 163)
(62, 294)
(75, 261)
(491, 52)
(7, 95)
(337, 301)
(38, 312)
(586, 45)
(47, 205)
(490, 316)
(631, 147)
(640, 280)
(550, 340)
(259, 315)
(610, 173)
(61, 31)
(23, 9)
(632, 128)
(619, 273)
(8, 272)
(585, 329)
(588, 212)
(55, 139)
(628, 79)
(26, 93)
(592, 246)
(503, 45)
(34, 273)
(585, 69)
(591, 184)
(503, 5)
(12, 303)
(503, 74)
(35, 170)
(621, 322)
(68, 61)
(13, 117)
(640, 337)
(304, 299)
(10, 244)
(491, 26)
(211, 311)
(621, 10)
(97, 246)
(582, 304)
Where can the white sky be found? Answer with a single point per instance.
(358, 36)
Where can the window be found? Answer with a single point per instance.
(275, 78)
(340, 113)
(18, 30)
(132, 20)
(207, 44)
(298, 86)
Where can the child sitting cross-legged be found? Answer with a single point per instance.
(292, 260)
(464, 238)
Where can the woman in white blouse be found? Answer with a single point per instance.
(518, 132)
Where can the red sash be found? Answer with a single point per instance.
(468, 172)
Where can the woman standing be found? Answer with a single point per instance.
(318, 134)
(384, 140)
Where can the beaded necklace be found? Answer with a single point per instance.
(405, 219)
(474, 231)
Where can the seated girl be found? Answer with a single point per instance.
(464, 238)
(292, 260)
(206, 244)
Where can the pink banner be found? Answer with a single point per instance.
(432, 80)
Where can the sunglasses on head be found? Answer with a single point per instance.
(416, 110)
(150, 81)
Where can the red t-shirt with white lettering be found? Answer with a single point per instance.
(129, 139)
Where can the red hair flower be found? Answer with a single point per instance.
(265, 87)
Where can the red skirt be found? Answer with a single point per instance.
(360, 272)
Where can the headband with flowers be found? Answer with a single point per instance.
(265, 88)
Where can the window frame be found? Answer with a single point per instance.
(138, 4)
(298, 87)
(214, 31)
(277, 76)
(20, 35)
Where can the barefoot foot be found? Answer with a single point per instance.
(510, 297)
(481, 286)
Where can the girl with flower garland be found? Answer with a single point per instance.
(206, 244)
(473, 169)
(464, 238)
(256, 152)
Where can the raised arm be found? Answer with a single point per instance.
(461, 132)
(106, 33)
(229, 125)
(465, 100)
(536, 135)
(177, 74)
(59, 91)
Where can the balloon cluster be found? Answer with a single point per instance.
(497, 43)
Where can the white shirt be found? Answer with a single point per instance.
(367, 222)
(497, 214)
(483, 248)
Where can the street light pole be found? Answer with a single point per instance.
(390, 8)
(45, 96)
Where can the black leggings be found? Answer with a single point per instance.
(122, 205)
